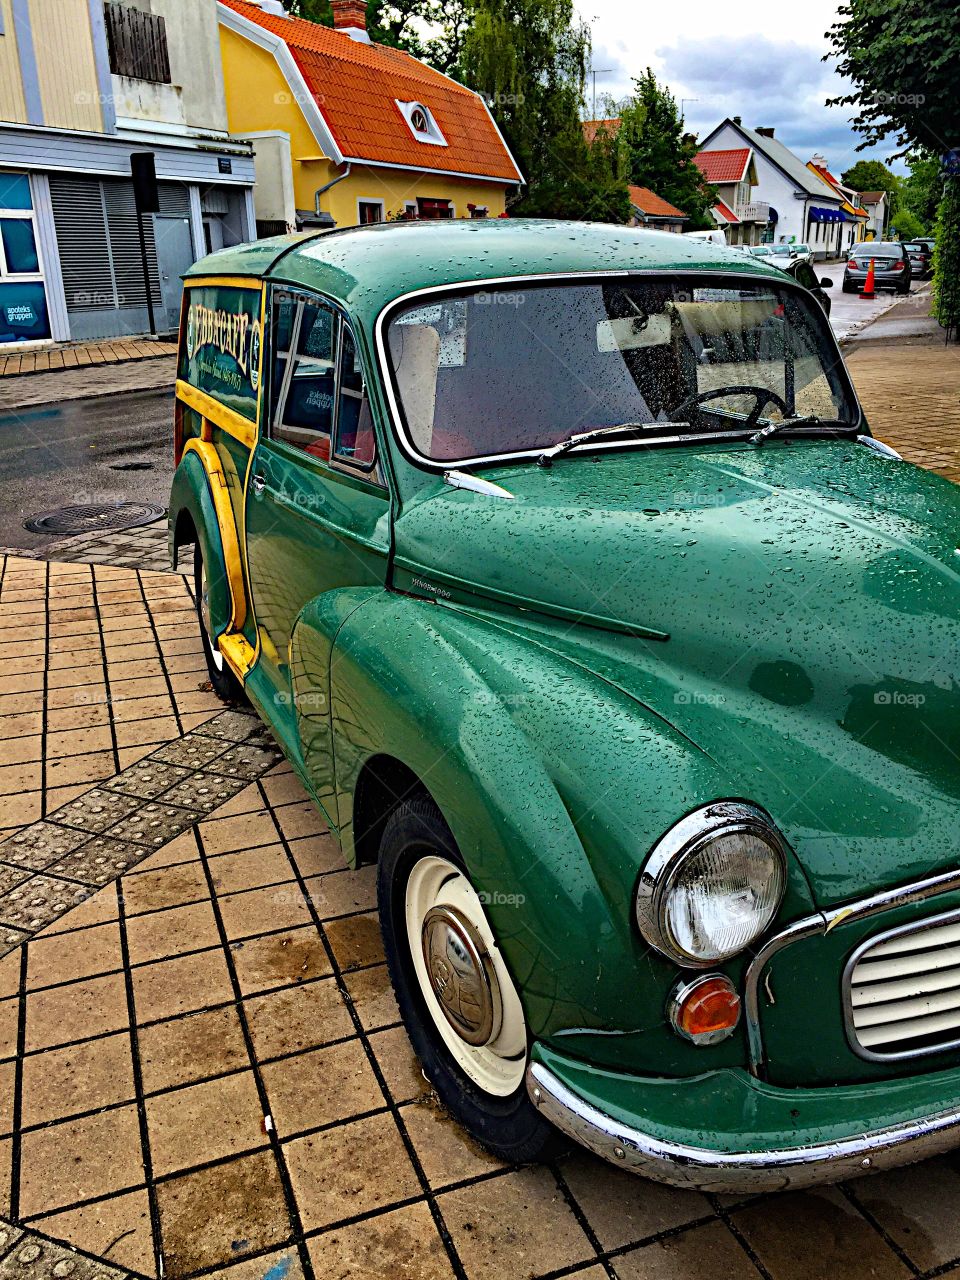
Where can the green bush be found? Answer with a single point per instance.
(946, 259)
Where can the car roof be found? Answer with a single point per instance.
(369, 267)
(871, 246)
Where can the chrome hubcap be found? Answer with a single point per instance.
(461, 975)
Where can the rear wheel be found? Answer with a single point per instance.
(457, 999)
(849, 288)
(225, 684)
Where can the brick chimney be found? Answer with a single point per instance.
(350, 17)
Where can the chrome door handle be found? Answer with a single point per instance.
(257, 482)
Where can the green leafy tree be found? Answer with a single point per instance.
(901, 57)
(873, 175)
(923, 188)
(659, 153)
(401, 24)
(528, 58)
(907, 225)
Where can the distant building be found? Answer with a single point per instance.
(875, 203)
(853, 228)
(733, 172)
(82, 85)
(649, 210)
(347, 131)
(802, 206)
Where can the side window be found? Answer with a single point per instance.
(355, 438)
(304, 366)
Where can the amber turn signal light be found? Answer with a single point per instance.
(705, 1010)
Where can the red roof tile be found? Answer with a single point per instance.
(725, 212)
(357, 85)
(649, 202)
(592, 127)
(723, 166)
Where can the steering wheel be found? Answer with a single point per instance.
(762, 395)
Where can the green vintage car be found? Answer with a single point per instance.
(561, 563)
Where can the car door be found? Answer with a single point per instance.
(317, 509)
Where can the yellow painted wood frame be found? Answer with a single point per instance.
(219, 491)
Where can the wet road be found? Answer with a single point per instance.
(61, 455)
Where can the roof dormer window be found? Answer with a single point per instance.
(421, 123)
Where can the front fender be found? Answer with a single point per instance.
(555, 785)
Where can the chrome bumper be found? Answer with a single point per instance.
(740, 1171)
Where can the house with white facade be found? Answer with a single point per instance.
(733, 172)
(875, 203)
(803, 208)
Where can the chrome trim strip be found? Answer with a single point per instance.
(824, 922)
(683, 1165)
(431, 291)
(900, 1055)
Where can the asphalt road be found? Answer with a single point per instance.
(849, 312)
(61, 455)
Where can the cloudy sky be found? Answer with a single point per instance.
(764, 67)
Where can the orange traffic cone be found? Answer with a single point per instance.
(868, 283)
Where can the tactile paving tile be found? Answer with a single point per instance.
(147, 779)
(96, 811)
(99, 860)
(154, 824)
(245, 761)
(204, 791)
(38, 901)
(39, 845)
(234, 726)
(33, 1257)
(191, 752)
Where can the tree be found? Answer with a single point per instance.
(901, 57)
(528, 59)
(873, 175)
(907, 225)
(659, 154)
(401, 25)
(923, 188)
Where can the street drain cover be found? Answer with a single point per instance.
(108, 517)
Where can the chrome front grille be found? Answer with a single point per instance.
(902, 990)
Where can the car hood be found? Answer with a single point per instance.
(792, 610)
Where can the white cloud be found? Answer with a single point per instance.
(767, 69)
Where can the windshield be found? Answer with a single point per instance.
(498, 371)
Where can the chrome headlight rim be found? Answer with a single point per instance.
(683, 841)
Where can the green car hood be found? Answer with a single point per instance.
(810, 596)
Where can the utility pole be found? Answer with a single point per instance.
(597, 71)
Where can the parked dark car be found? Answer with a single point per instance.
(891, 263)
(921, 259)
(804, 274)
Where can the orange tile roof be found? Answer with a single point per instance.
(592, 127)
(723, 166)
(725, 212)
(649, 202)
(357, 85)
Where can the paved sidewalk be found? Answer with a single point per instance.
(73, 355)
(202, 1071)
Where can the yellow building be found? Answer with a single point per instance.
(346, 131)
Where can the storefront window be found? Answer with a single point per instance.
(23, 304)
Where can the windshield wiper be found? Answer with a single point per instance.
(810, 419)
(555, 451)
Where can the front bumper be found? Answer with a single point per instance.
(726, 1131)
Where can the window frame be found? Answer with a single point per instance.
(373, 200)
(371, 472)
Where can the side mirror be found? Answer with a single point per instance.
(826, 282)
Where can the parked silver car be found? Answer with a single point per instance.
(892, 268)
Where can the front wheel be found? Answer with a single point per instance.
(456, 997)
(225, 684)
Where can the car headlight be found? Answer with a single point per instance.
(712, 884)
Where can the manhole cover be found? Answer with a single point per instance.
(95, 517)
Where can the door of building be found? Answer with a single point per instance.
(174, 255)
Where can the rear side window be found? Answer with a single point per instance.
(220, 345)
(319, 402)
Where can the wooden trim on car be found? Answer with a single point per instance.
(235, 424)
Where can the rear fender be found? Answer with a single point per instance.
(192, 509)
